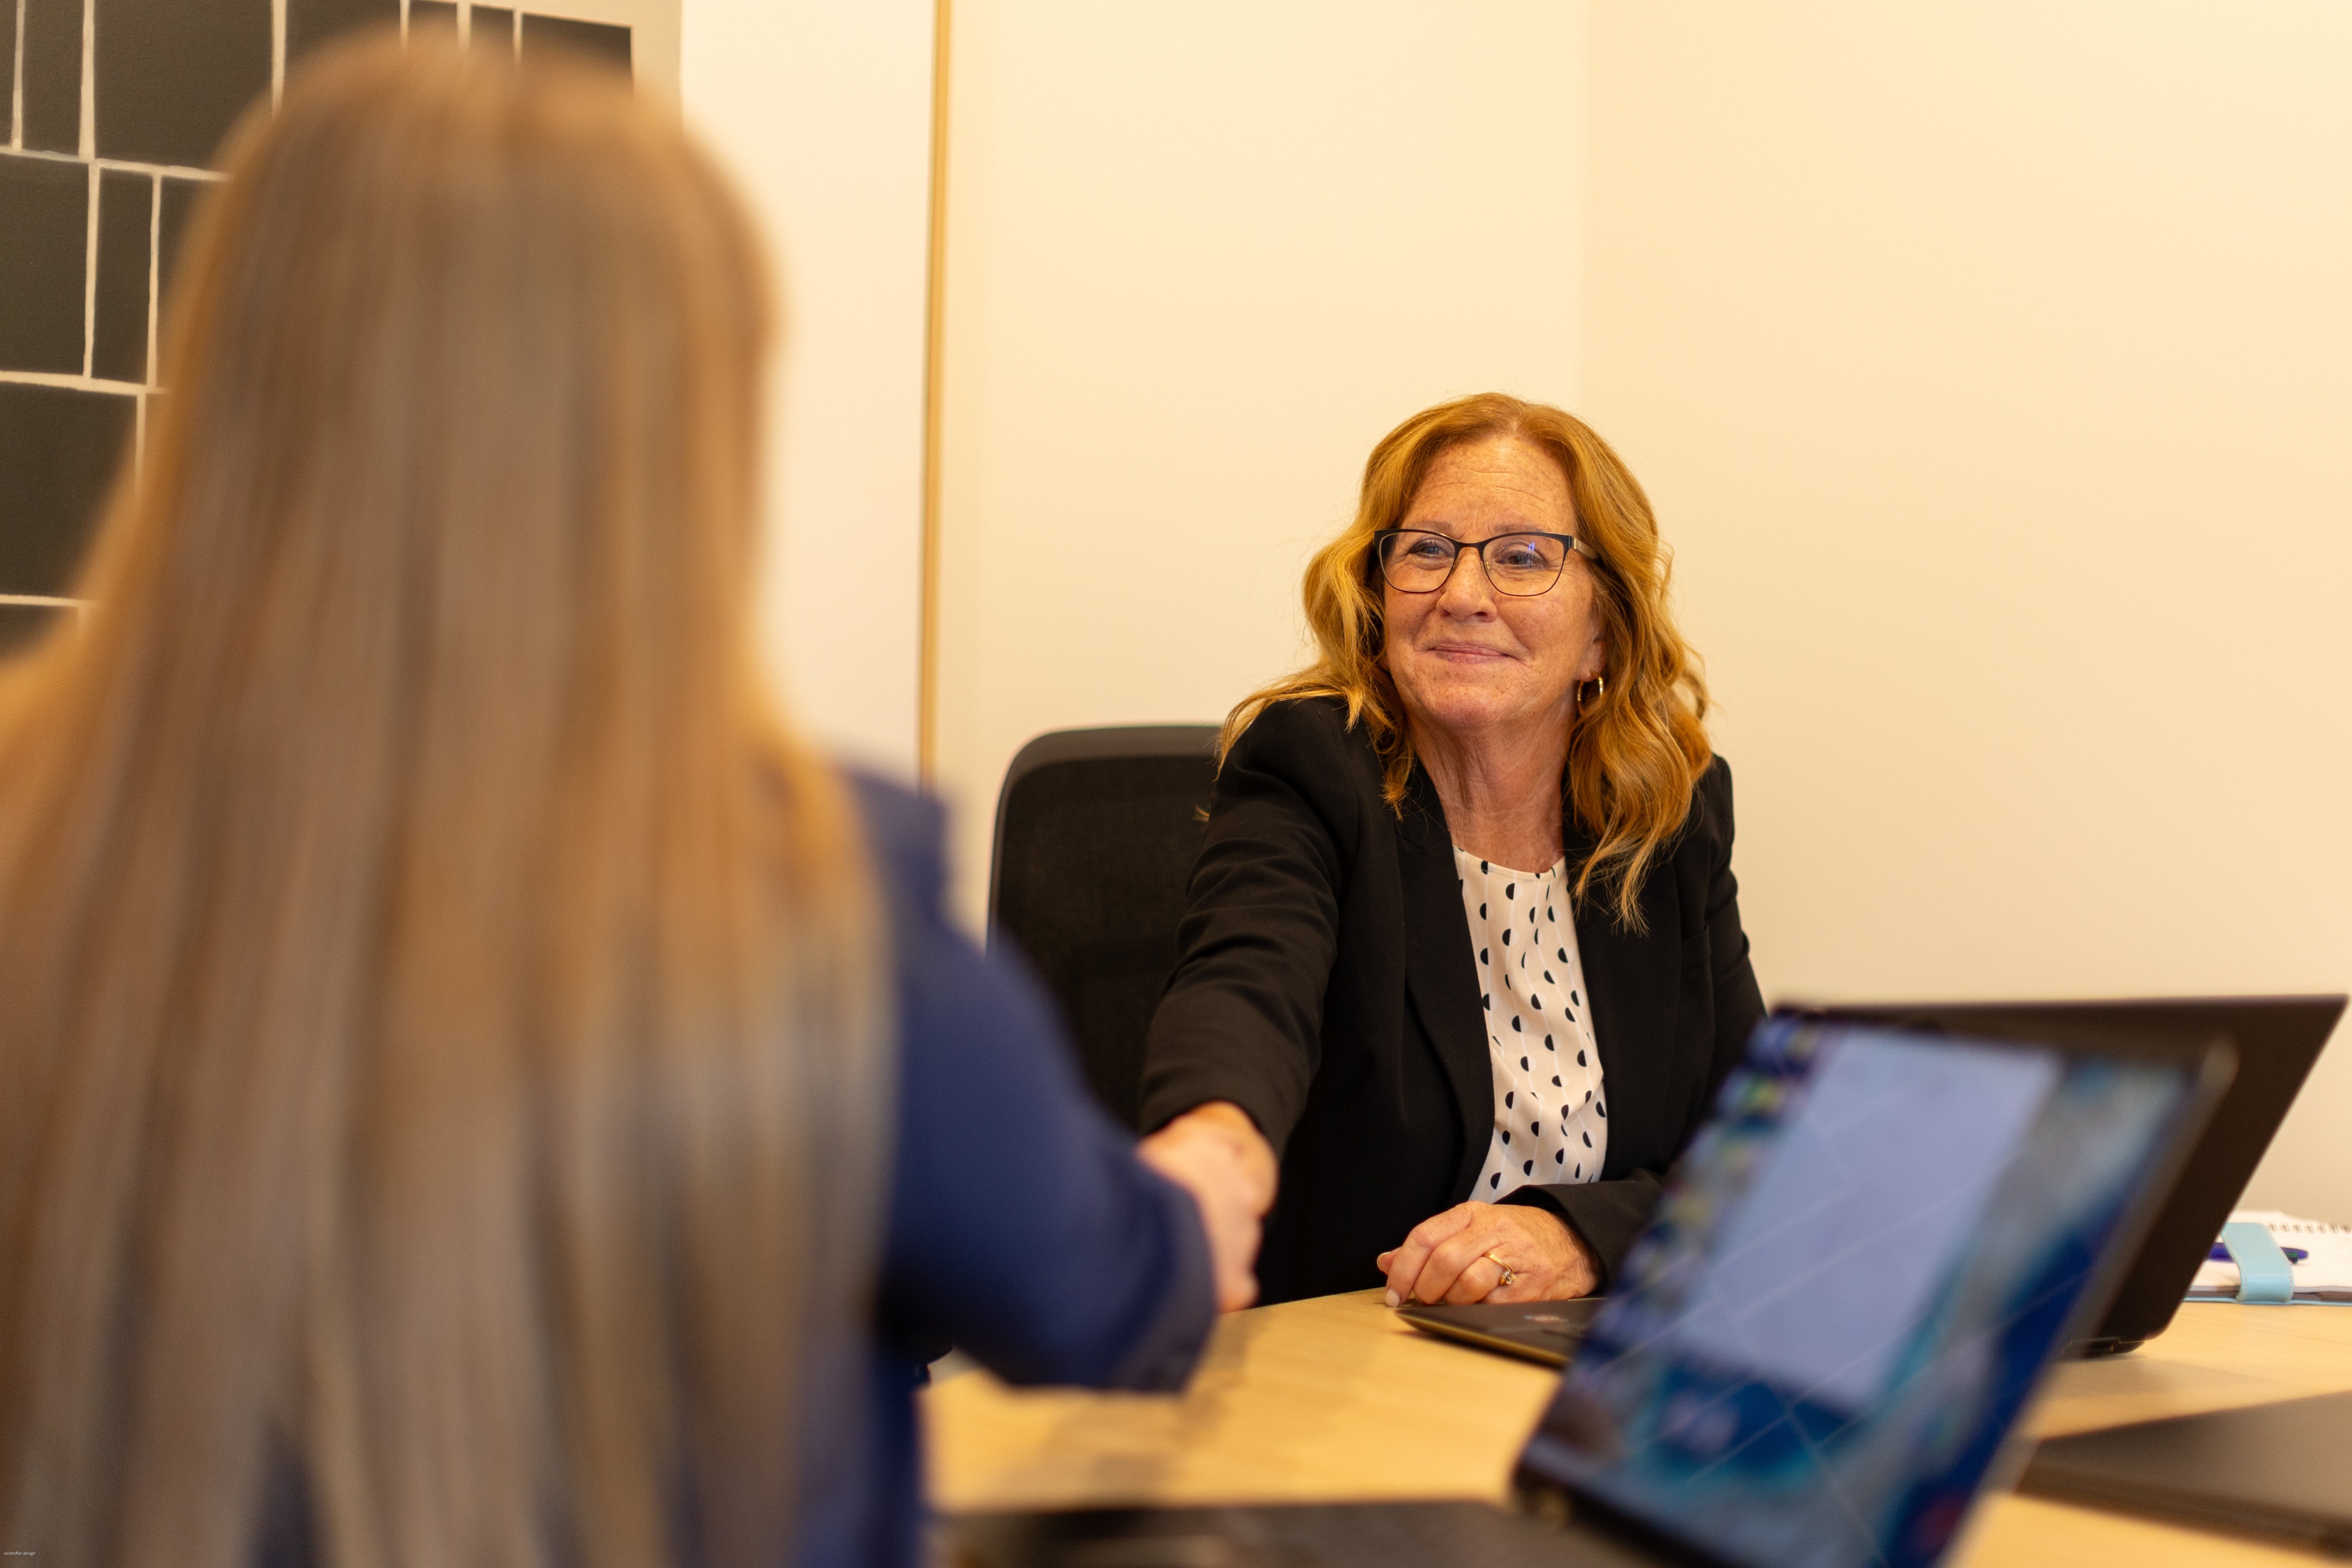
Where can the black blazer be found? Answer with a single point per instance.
(1325, 985)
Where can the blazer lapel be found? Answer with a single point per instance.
(1635, 984)
(1442, 973)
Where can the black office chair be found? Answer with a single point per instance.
(1097, 831)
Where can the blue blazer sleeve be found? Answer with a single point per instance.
(1021, 1228)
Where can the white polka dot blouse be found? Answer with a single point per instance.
(1551, 1123)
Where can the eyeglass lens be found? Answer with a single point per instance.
(1519, 563)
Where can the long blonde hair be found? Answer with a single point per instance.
(445, 1055)
(1637, 748)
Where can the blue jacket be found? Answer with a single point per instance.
(1021, 1230)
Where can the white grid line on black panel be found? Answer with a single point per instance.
(90, 280)
(155, 286)
(129, 165)
(86, 140)
(16, 84)
(72, 383)
(466, 9)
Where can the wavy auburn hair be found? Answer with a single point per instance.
(1637, 750)
(446, 1037)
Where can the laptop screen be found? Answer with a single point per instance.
(1866, 1255)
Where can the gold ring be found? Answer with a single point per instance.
(1510, 1276)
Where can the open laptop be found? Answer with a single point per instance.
(1546, 1332)
(1817, 1350)
(2277, 1039)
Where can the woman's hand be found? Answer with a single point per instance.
(1215, 1152)
(1463, 1254)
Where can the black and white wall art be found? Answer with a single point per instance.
(115, 116)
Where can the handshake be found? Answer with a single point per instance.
(1215, 1152)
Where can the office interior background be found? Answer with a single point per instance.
(1989, 365)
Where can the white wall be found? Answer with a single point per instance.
(823, 113)
(1988, 364)
(1199, 260)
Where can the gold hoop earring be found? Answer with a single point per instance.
(1600, 681)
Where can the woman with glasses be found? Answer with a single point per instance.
(1463, 946)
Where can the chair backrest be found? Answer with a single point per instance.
(1097, 831)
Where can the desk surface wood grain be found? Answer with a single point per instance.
(1336, 1399)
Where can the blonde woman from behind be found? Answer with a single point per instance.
(479, 1089)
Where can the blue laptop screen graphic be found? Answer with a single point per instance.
(1814, 1352)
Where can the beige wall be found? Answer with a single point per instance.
(1990, 364)
(823, 111)
(1199, 259)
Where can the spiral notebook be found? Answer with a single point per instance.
(2323, 1272)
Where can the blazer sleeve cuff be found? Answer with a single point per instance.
(1164, 1353)
(1605, 1216)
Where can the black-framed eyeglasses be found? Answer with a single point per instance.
(1415, 561)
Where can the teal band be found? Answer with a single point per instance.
(2263, 1273)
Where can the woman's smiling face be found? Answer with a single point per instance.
(1469, 662)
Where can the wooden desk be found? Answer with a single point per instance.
(1334, 1398)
